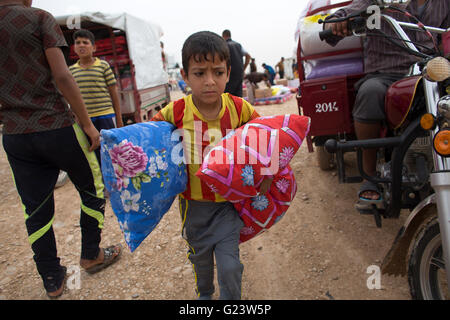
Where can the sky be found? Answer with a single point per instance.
(266, 29)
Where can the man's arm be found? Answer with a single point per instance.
(69, 89)
(114, 93)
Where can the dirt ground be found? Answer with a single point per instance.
(320, 250)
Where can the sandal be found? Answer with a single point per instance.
(53, 282)
(366, 203)
(109, 259)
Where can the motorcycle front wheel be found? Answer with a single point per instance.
(426, 272)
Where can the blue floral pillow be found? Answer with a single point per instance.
(140, 175)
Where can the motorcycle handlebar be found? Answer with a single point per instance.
(325, 34)
(355, 24)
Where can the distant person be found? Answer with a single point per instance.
(234, 85)
(211, 225)
(97, 84)
(270, 73)
(40, 138)
(295, 69)
(253, 66)
(280, 68)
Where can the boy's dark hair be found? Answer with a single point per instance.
(200, 45)
(83, 33)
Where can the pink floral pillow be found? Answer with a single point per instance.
(236, 167)
(261, 212)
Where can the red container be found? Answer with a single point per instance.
(329, 104)
(446, 42)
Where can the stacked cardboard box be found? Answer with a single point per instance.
(281, 82)
(263, 93)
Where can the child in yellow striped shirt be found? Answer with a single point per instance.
(97, 84)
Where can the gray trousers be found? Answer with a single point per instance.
(369, 103)
(212, 229)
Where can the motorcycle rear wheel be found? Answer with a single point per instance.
(426, 272)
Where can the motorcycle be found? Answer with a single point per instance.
(413, 161)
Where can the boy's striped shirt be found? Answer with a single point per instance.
(93, 83)
(201, 134)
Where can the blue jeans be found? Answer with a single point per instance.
(100, 123)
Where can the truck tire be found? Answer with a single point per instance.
(325, 159)
(426, 270)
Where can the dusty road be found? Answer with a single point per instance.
(321, 249)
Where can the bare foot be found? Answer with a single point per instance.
(371, 195)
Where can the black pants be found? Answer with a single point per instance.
(36, 160)
(234, 87)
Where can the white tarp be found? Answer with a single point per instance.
(143, 40)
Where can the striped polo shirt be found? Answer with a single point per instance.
(93, 83)
(201, 134)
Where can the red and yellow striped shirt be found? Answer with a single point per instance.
(200, 135)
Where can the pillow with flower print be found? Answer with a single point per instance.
(140, 176)
(263, 147)
(261, 212)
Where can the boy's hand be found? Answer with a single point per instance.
(265, 185)
(94, 137)
(119, 122)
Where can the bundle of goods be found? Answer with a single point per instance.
(273, 100)
(275, 95)
(313, 5)
(327, 68)
(333, 65)
(239, 164)
(141, 176)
